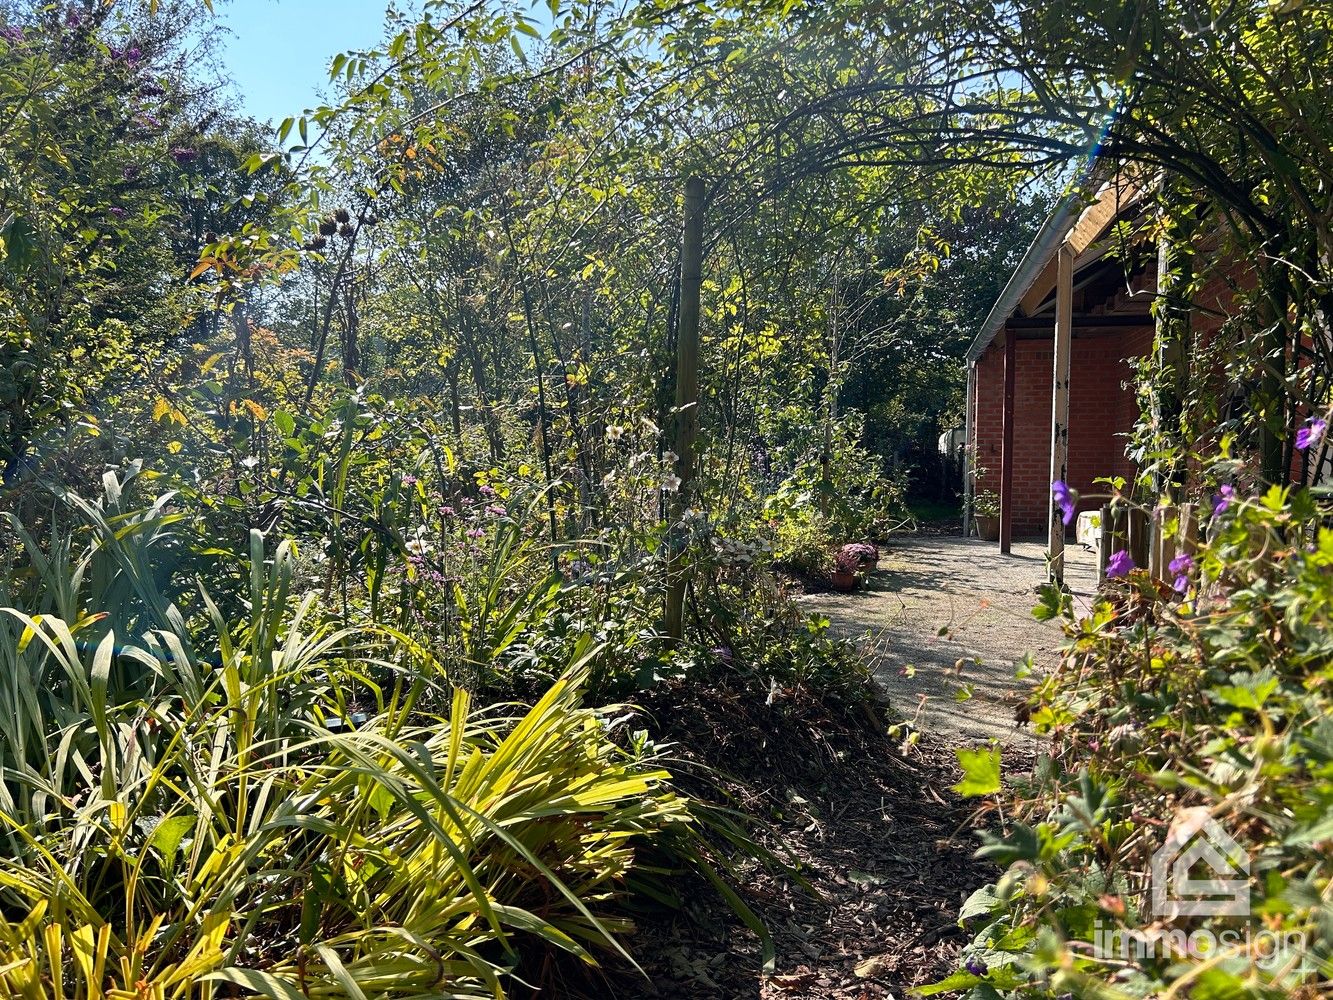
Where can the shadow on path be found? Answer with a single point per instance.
(946, 615)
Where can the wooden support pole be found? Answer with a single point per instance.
(1064, 338)
(686, 415)
(969, 464)
(1007, 446)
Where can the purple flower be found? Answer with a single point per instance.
(72, 18)
(1223, 500)
(116, 212)
(133, 55)
(1312, 433)
(183, 155)
(13, 33)
(487, 491)
(1120, 565)
(1065, 499)
(1181, 567)
(495, 510)
(130, 173)
(476, 533)
(976, 966)
(447, 511)
(722, 653)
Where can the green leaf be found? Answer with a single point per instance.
(167, 837)
(981, 771)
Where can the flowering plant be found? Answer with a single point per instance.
(1149, 711)
(854, 557)
(860, 555)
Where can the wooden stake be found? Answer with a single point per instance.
(686, 416)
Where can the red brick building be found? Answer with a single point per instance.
(1030, 419)
(1051, 391)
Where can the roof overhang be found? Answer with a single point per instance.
(1034, 278)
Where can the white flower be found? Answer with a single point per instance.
(614, 432)
(670, 457)
(649, 426)
(417, 544)
(671, 484)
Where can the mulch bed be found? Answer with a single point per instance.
(877, 834)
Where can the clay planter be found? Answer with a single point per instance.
(842, 580)
(988, 527)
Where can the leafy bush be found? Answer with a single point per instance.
(855, 500)
(1173, 706)
(804, 543)
(273, 804)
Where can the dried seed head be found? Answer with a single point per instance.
(345, 230)
(341, 216)
(327, 227)
(318, 243)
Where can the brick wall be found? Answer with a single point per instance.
(1101, 411)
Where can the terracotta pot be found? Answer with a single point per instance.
(842, 580)
(988, 527)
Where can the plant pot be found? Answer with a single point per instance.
(988, 527)
(842, 580)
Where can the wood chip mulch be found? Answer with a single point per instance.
(875, 832)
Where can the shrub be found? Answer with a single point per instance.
(804, 544)
(1173, 705)
(275, 805)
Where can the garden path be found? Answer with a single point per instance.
(936, 601)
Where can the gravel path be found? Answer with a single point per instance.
(938, 600)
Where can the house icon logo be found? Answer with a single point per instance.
(1197, 844)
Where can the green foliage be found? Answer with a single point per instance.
(273, 804)
(803, 543)
(838, 487)
(1167, 709)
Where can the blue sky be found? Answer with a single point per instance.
(278, 51)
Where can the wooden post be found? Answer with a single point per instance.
(686, 416)
(1166, 544)
(1064, 337)
(1140, 532)
(1007, 446)
(969, 486)
(1106, 541)
(1189, 528)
